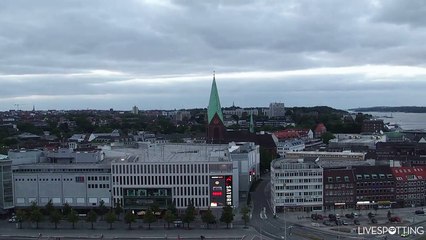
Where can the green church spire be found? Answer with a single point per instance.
(251, 123)
(214, 103)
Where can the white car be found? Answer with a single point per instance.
(12, 219)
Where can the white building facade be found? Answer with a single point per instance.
(296, 185)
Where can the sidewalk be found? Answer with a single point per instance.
(121, 231)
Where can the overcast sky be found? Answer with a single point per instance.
(161, 54)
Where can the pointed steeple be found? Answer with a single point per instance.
(251, 123)
(214, 103)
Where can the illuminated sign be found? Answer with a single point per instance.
(220, 191)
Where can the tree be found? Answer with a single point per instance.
(111, 218)
(48, 208)
(245, 215)
(72, 217)
(173, 208)
(149, 218)
(92, 216)
(169, 217)
(118, 210)
(189, 215)
(35, 215)
(55, 217)
(227, 215)
(102, 209)
(208, 217)
(326, 137)
(130, 218)
(66, 209)
(21, 215)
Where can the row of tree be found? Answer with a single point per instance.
(35, 215)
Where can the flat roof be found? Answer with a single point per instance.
(168, 152)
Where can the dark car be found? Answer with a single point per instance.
(327, 223)
(419, 212)
(332, 217)
(350, 216)
(373, 220)
(394, 219)
(356, 222)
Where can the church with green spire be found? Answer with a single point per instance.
(215, 127)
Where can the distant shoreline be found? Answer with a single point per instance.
(404, 109)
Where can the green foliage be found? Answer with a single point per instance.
(169, 217)
(118, 210)
(111, 218)
(66, 209)
(149, 218)
(21, 216)
(189, 215)
(48, 208)
(30, 128)
(55, 217)
(266, 158)
(227, 215)
(35, 214)
(72, 217)
(208, 217)
(102, 209)
(92, 217)
(326, 137)
(245, 215)
(129, 218)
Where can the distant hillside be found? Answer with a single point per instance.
(406, 109)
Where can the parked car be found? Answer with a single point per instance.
(356, 222)
(316, 216)
(373, 220)
(332, 217)
(355, 214)
(12, 219)
(327, 223)
(395, 219)
(350, 216)
(419, 212)
(371, 215)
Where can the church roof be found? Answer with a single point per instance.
(214, 103)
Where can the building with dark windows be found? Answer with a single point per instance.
(6, 190)
(339, 188)
(373, 126)
(410, 186)
(375, 185)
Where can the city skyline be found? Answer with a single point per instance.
(162, 54)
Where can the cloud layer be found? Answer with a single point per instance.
(161, 54)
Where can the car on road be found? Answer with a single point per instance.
(12, 219)
(419, 212)
(356, 222)
(373, 220)
(350, 216)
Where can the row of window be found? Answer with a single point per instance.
(97, 185)
(374, 191)
(337, 179)
(158, 168)
(291, 194)
(410, 183)
(42, 179)
(338, 186)
(160, 180)
(95, 178)
(298, 200)
(79, 170)
(405, 190)
(298, 174)
(305, 180)
(373, 176)
(411, 196)
(372, 184)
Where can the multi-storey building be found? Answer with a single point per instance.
(410, 186)
(373, 126)
(6, 191)
(276, 109)
(374, 185)
(296, 185)
(327, 155)
(79, 185)
(175, 173)
(339, 188)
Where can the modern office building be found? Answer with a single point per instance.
(6, 191)
(276, 109)
(296, 185)
(327, 155)
(203, 174)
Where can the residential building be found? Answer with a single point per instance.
(339, 188)
(276, 109)
(327, 155)
(410, 186)
(295, 145)
(320, 129)
(374, 185)
(373, 126)
(6, 191)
